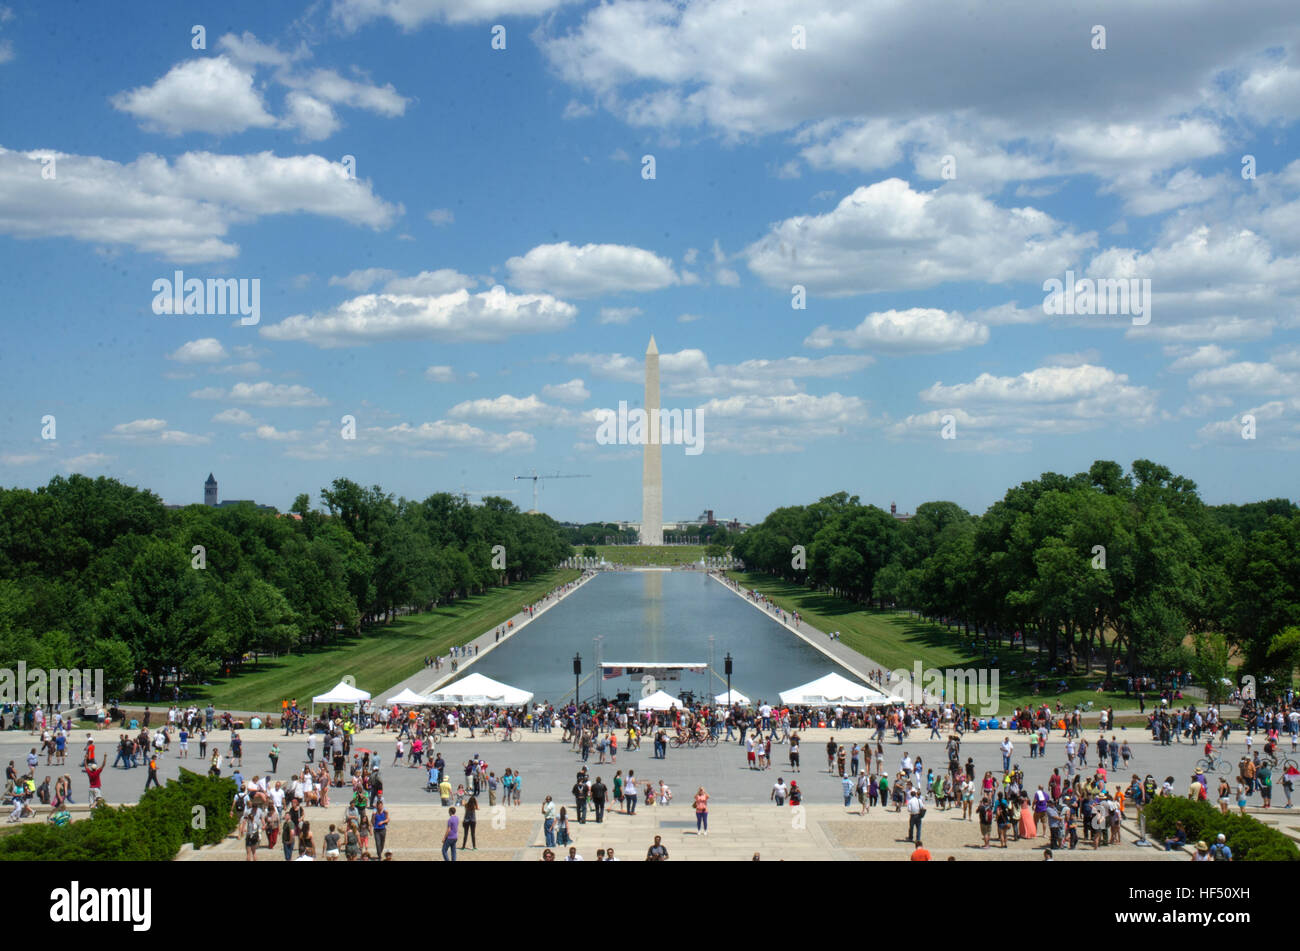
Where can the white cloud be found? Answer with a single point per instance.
(235, 417)
(507, 408)
(442, 434)
(688, 318)
(221, 94)
(208, 94)
(1076, 359)
(271, 434)
(572, 392)
(488, 316)
(204, 350)
(918, 330)
(139, 427)
(314, 119)
(440, 374)
(590, 270)
(263, 394)
(430, 283)
(887, 237)
(441, 217)
(155, 431)
(1209, 355)
(364, 279)
(182, 211)
(618, 315)
(89, 460)
(410, 14)
(1246, 375)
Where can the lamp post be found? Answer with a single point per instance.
(727, 660)
(577, 672)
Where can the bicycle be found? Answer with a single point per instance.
(1213, 764)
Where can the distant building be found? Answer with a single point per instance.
(210, 491)
(893, 510)
(229, 502)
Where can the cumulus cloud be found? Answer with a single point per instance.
(221, 94)
(618, 315)
(888, 237)
(263, 394)
(491, 315)
(917, 330)
(180, 210)
(571, 392)
(590, 270)
(204, 350)
(155, 431)
(527, 409)
(411, 14)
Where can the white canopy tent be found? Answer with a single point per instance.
(734, 696)
(342, 692)
(658, 701)
(409, 698)
(834, 689)
(477, 690)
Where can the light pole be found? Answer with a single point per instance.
(577, 672)
(727, 661)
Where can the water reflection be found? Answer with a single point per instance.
(654, 616)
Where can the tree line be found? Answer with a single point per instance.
(95, 573)
(1126, 568)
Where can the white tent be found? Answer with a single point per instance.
(834, 689)
(409, 698)
(343, 692)
(477, 690)
(658, 701)
(734, 696)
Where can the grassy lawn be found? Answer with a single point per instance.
(646, 554)
(896, 639)
(379, 657)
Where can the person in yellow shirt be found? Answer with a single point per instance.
(444, 790)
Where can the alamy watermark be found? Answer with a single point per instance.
(214, 297)
(1114, 296)
(639, 427)
(968, 687)
(59, 687)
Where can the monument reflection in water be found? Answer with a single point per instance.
(655, 616)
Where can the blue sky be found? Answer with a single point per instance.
(489, 278)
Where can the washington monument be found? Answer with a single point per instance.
(652, 470)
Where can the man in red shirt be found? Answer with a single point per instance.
(94, 773)
(921, 854)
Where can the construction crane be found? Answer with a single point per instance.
(541, 478)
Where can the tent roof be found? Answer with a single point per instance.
(342, 692)
(409, 698)
(834, 688)
(658, 701)
(735, 697)
(477, 689)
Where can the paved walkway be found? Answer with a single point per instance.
(736, 833)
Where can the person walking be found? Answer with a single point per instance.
(598, 793)
(380, 825)
(275, 757)
(451, 835)
(701, 812)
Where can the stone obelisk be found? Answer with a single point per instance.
(652, 472)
